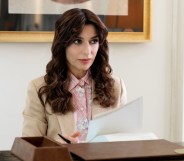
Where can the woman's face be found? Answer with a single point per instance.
(81, 53)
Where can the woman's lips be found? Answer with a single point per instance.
(85, 61)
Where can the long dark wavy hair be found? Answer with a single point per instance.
(67, 28)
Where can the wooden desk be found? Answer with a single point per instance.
(7, 156)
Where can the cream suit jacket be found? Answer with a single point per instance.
(40, 121)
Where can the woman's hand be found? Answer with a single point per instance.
(74, 137)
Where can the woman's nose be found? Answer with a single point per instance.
(87, 49)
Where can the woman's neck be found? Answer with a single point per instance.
(79, 75)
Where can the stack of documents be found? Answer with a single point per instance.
(120, 124)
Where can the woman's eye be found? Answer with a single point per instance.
(77, 41)
(94, 41)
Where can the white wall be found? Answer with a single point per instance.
(145, 67)
(19, 63)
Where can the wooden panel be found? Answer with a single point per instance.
(134, 19)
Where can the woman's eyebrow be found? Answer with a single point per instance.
(94, 37)
(78, 37)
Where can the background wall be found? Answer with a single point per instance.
(145, 67)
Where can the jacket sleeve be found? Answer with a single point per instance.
(35, 123)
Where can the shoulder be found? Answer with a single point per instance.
(37, 83)
(118, 81)
(120, 89)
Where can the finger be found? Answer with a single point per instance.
(76, 134)
(73, 140)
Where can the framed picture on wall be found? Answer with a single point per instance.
(33, 21)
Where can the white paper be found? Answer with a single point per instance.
(125, 137)
(126, 119)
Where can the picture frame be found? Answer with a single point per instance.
(125, 36)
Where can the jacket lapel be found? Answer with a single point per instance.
(66, 123)
(96, 109)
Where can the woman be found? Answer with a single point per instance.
(78, 84)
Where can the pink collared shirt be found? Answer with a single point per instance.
(81, 90)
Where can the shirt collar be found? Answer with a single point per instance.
(74, 81)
